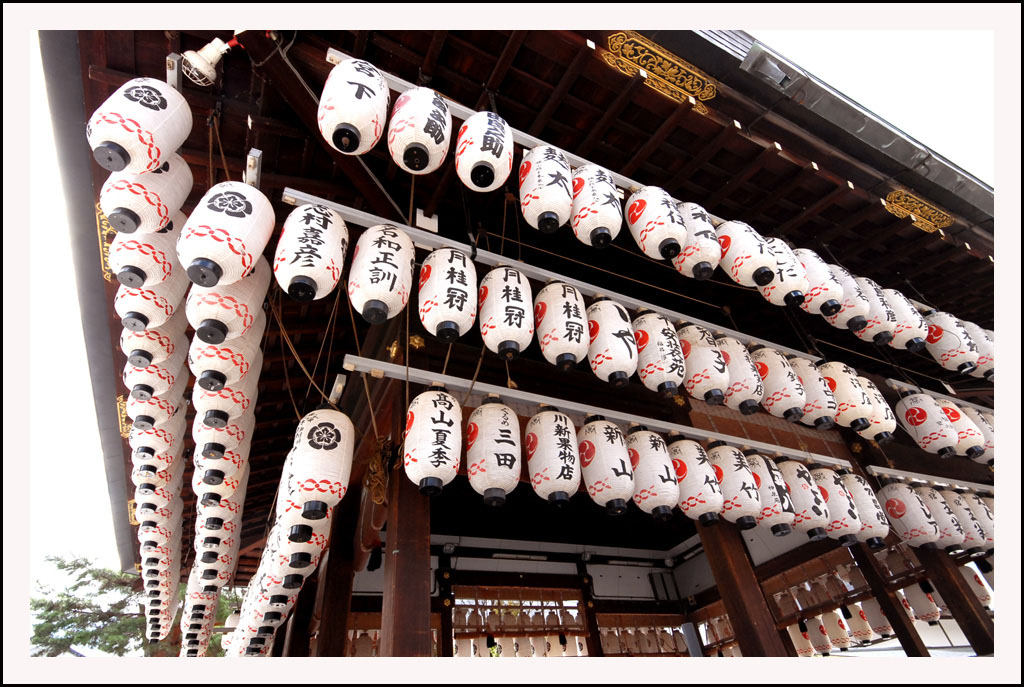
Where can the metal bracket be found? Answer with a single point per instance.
(253, 166)
(173, 65)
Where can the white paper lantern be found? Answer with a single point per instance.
(700, 494)
(970, 440)
(790, 282)
(909, 517)
(986, 351)
(784, 395)
(606, 464)
(381, 274)
(160, 444)
(824, 294)
(545, 196)
(820, 408)
(811, 514)
(836, 630)
(492, 450)
(855, 410)
(873, 523)
(225, 234)
(227, 311)
(857, 622)
(776, 513)
(911, 329)
(596, 209)
(656, 223)
(612, 353)
(988, 432)
(922, 603)
(156, 410)
(949, 343)
(819, 635)
(976, 585)
(156, 379)
(745, 389)
(883, 421)
(148, 346)
(506, 321)
(876, 617)
(353, 107)
(974, 533)
(844, 522)
(560, 316)
(552, 456)
(432, 450)
(420, 130)
(448, 293)
(742, 502)
(148, 480)
(951, 533)
(147, 203)
(746, 256)
(801, 642)
(706, 374)
(654, 476)
(151, 259)
(925, 422)
(853, 314)
(310, 254)
(660, 362)
(139, 126)
(984, 517)
(227, 364)
(701, 252)
(218, 407)
(881, 326)
(483, 153)
(212, 442)
(317, 469)
(149, 307)
(210, 491)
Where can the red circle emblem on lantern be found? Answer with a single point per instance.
(424, 275)
(636, 210)
(594, 328)
(587, 452)
(831, 384)
(862, 616)
(483, 294)
(724, 242)
(539, 311)
(524, 169)
(841, 624)
(408, 424)
(634, 458)
(934, 333)
(725, 357)
(895, 508)
(762, 369)
(916, 416)
(824, 492)
(685, 345)
(757, 480)
(804, 635)
(642, 339)
(471, 433)
(821, 629)
(718, 472)
(951, 413)
(680, 465)
(531, 445)
(577, 185)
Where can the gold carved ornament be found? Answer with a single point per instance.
(131, 512)
(927, 217)
(105, 233)
(667, 73)
(123, 423)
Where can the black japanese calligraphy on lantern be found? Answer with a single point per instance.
(558, 179)
(504, 436)
(612, 434)
(574, 331)
(364, 68)
(623, 469)
(668, 477)
(626, 337)
(512, 293)
(505, 460)
(514, 316)
(362, 90)
(456, 298)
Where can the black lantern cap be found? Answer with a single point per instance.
(345, 137)
(302, 288)
(111, 156)
(204, 272)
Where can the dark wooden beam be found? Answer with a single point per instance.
(563, 86)
(589, 616)
(446, 599)
(750, 169)
(703, 155)
(329, 625)
(901, 623)
(814, 208)
(652, 143)
(872, 239)
(296, 636)
(430, 60)
(967, 611)
(360, 45)
(781, 190)
(850, 223)
(933, 259)
(741, 593)
(613, 111)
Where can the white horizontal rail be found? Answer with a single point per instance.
(377, 368)
(881, 471)
(432, 241)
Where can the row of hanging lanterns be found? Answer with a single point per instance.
(640, 641)
(928, 517)
(314, 479)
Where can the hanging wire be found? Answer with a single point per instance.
(209, 136)
(287, 379)
(220, 146)
(476, 372)
(331, 321)
(275, 309)
(444, 368)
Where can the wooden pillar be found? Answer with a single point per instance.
(901, 623)
(594, 647)
(741, 593)
(405, 615)
(445, 643)
(964, 606)
(787, 642)
(334, 597)
(296, 638)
